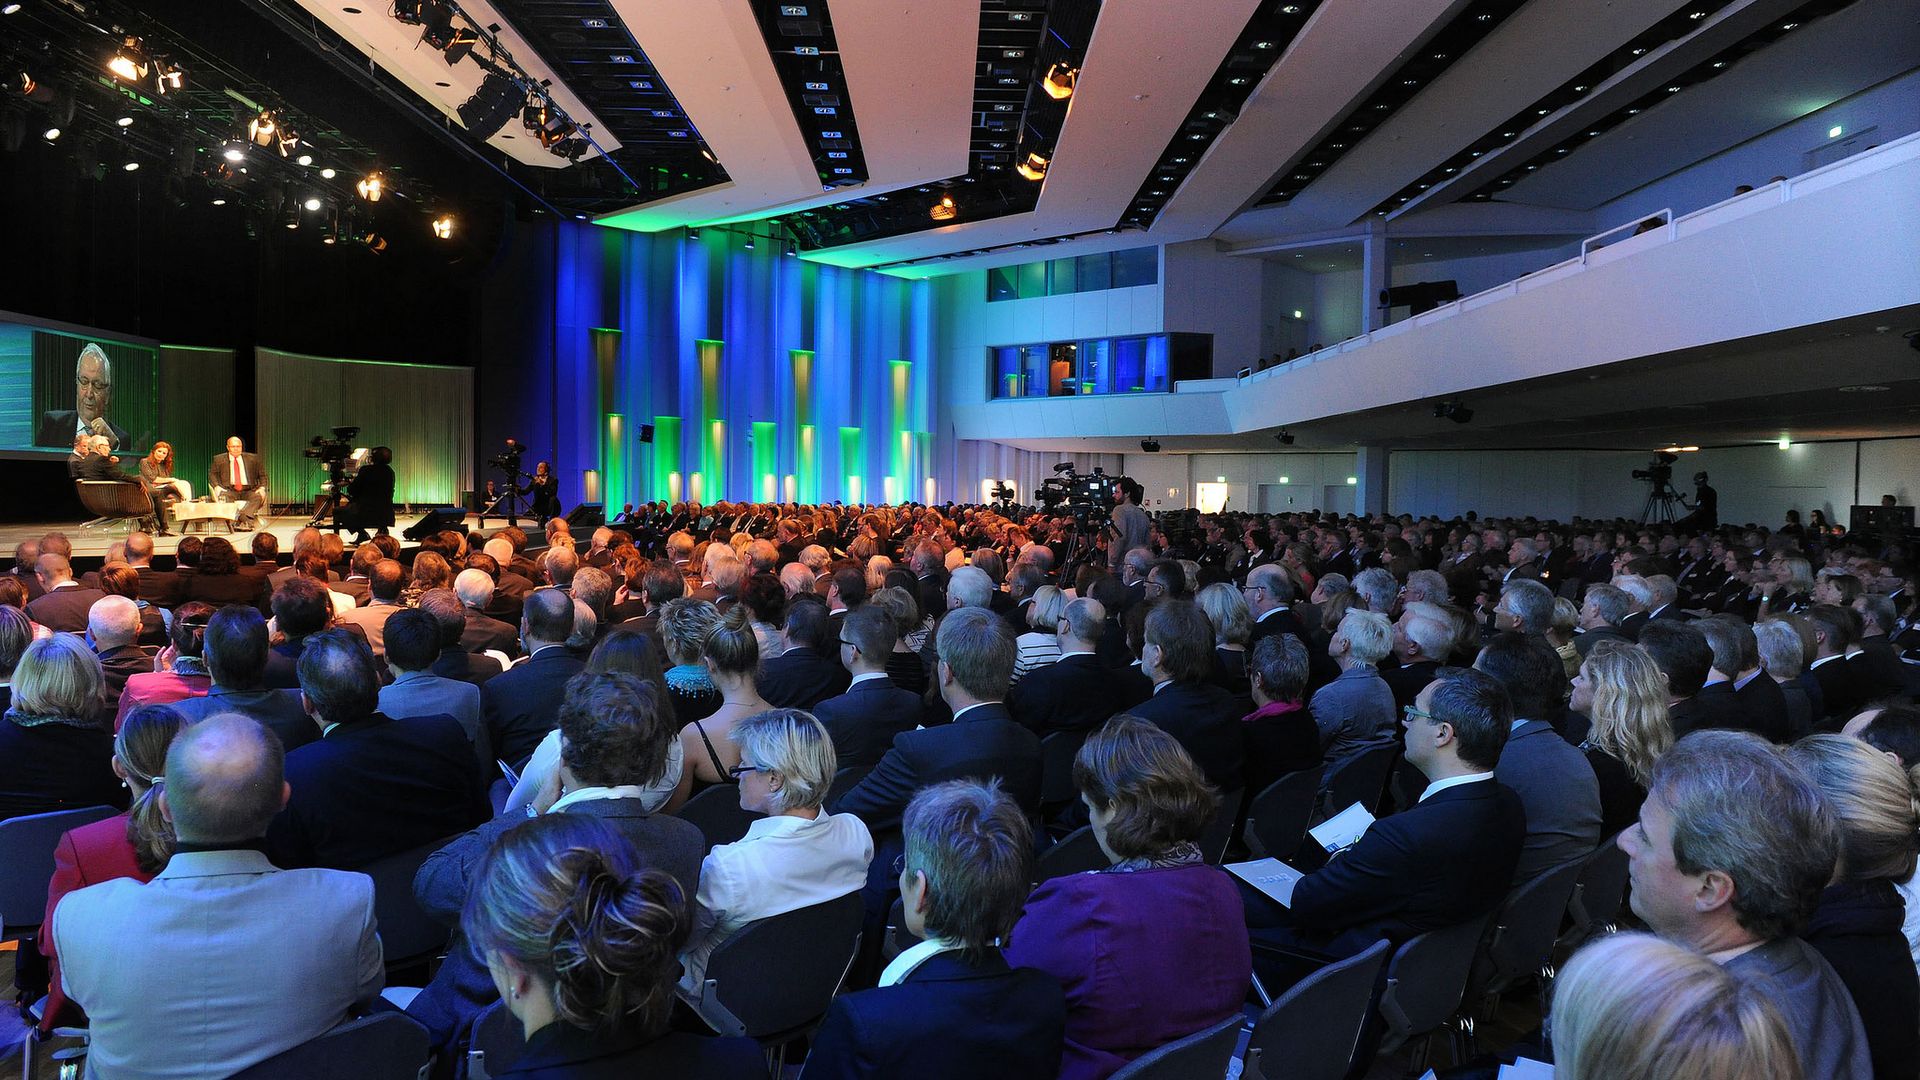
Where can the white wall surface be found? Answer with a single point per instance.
(1207, 292)
(1474, 274)
(1169, 478)
(1283, 291)
(1336, 307)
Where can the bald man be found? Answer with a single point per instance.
(114, 624)
(64, 603)
(93, 393)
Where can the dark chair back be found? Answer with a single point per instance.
(1314, 1028)
(1524, 930)
(381, 1046)
(407, 934)
(716, 813)
(1427, 979)
(844, 781)
(1279, 815)
(1075, 853)
(117, 499)
(496, 1043)
(1057, 752)
(1361, 778)
(1600, 889)
(1202, 1055)
(777, 975)
(1219, 831)
(26, 851)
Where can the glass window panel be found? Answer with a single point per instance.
(1156, 380)
(1060, 277)
(1006, 372)
(1129, 365)
(1033, 279)
(1036, 368)
(1095, 272)
(1002, 284)
(1136, 266)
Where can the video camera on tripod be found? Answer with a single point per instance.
(508, 460)
(1659, 471)
(1661, 498)
(1088, 497)
(334, 450)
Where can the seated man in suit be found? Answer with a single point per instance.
(1423, 639)
(1760, 706)
(413, 644)
(1556, 785)
(1075, 692)
(385, 584)
(481, 631)
(520, 705)
(98, 464)
(239, 477)
(235, 650)
(369, 501)
(64, 603)
(1356, 709)
(863, 721)
(950, 1008)
(1601, 614)
(1734, 848)
(976, 652)
(450, 619)
(371, 786)
(1445, 860)
(114, 625)
(1204, 717)
(258, 960)
(1682, 654)
(807, 673)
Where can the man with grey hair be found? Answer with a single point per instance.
(969, 587)
(1731, 854)
(593, 587)
(953, 997)
(1270, 594)
(1734, 689)
(1523, 562)
(1075, 692)
(1601, 614)
(559, 564)
(1423, 639)
(796, 579)
(98, 462)
(26, 558)
(1378, 588)
(1525, 606)
(975, 665)
(1426, 586)
(64, 603)
(277, 956)
(1663, 599)
(1134, 566)
(483, 632)
(1640, 599)
(114, 625)
(1782, 660)
(93, 395)
(1356, 710)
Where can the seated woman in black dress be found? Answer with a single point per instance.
(1620, 689)
(581, 943)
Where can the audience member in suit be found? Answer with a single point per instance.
(236, 656)
(1857, 924)
(1556, 786)
(1733, 850)
(239, 477)
(976, 653)
(371, 786)
(385, 585)
(520, 705)
(1759, 706)
(1356, 709)
(221, 580)
(1683, 655)
(259, 959)
(1280, 733)
(63, 603)
(1423, 639)
(1620, 690)
(863, 721)
(1843, 684)
(1782, 661)
(301, 609)
(413, 644)
(56, 749)
(1601, 613)
(481, 632)
(114, 627)
(183, 672)
(134, 845)
(450, 622)
(161, 587)
(1442, 861)
(616, 738)
(369, 501)
(807, 672)
(359, 580)
(1160, 916)
(608, 1018)
(1076, 692)
(26, 568)
(1876, 665)
(952, 1007)
(1270, 597)
(119, 579)
(1204, 718)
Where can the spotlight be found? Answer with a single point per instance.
(312, 203)
(1285, 438)
(261, 129)
(290, 217)
(443, 226)
(10, 9)
(1151, 446)
(693, 232)
(125, 121)
(327, 174)
(167, 77)
(129, 62)
(1059, 81)
(131, 166)
(219, 202)
(790, 250)
(52, 134)
(31, 88)
(749, 244)
(944, 210)
(371, 187)
(304, 160)
(1034, 167)
(234, 152)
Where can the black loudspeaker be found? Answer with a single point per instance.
(438, 519)
(587, 516)
(491, 106)
(646, 433)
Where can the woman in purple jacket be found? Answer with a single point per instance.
(1154, 947)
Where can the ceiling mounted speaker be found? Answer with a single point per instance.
(497, 101)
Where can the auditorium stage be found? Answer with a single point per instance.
(92, 543)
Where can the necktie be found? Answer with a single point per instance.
(237, 478)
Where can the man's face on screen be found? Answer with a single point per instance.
(93, 384)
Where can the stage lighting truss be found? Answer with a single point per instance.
(133, 65)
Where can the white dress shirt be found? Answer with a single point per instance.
(1439, 786)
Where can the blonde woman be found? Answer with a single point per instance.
(731, 656)
(1620, 690)
(1633, 1005)
(1040, 645)
(1227, 610)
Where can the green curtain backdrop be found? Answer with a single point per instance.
(425, 413)
(196, 408)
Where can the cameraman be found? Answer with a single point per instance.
(1705, 515)
(1131, 525)
(369, 498)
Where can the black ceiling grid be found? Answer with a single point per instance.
(1713, 66)
(800, 39)
(1267, 35)
(1019, 40)
(1422, 65)
(593, 52)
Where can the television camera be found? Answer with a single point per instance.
(337, 455)
(1087, 497)
(1661, 498)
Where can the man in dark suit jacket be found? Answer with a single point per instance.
(450, 620)
(114, 623)
(481, 632)
(983, 742)
(370, 786)
(807, 673)
(369, 497)
(1447, 859)
(1836, 631)
(1270, 595)
(64, 603)
(236, 653)
(239, 477)
(1601, 612)
(1204, 717)
(864, 720)
(521, 705)
(1076, 692)
(959, 1012)
(1557, 787)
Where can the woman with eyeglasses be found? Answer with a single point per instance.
(797, 856)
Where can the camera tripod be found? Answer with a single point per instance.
(1660, 503)
(323, 515)
(506, 504)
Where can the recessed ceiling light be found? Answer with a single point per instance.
(219, 202)
(125, 121)
(326, 174)
(131, 166)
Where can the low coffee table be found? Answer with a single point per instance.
(187, 513)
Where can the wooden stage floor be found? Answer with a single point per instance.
(92, 543)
